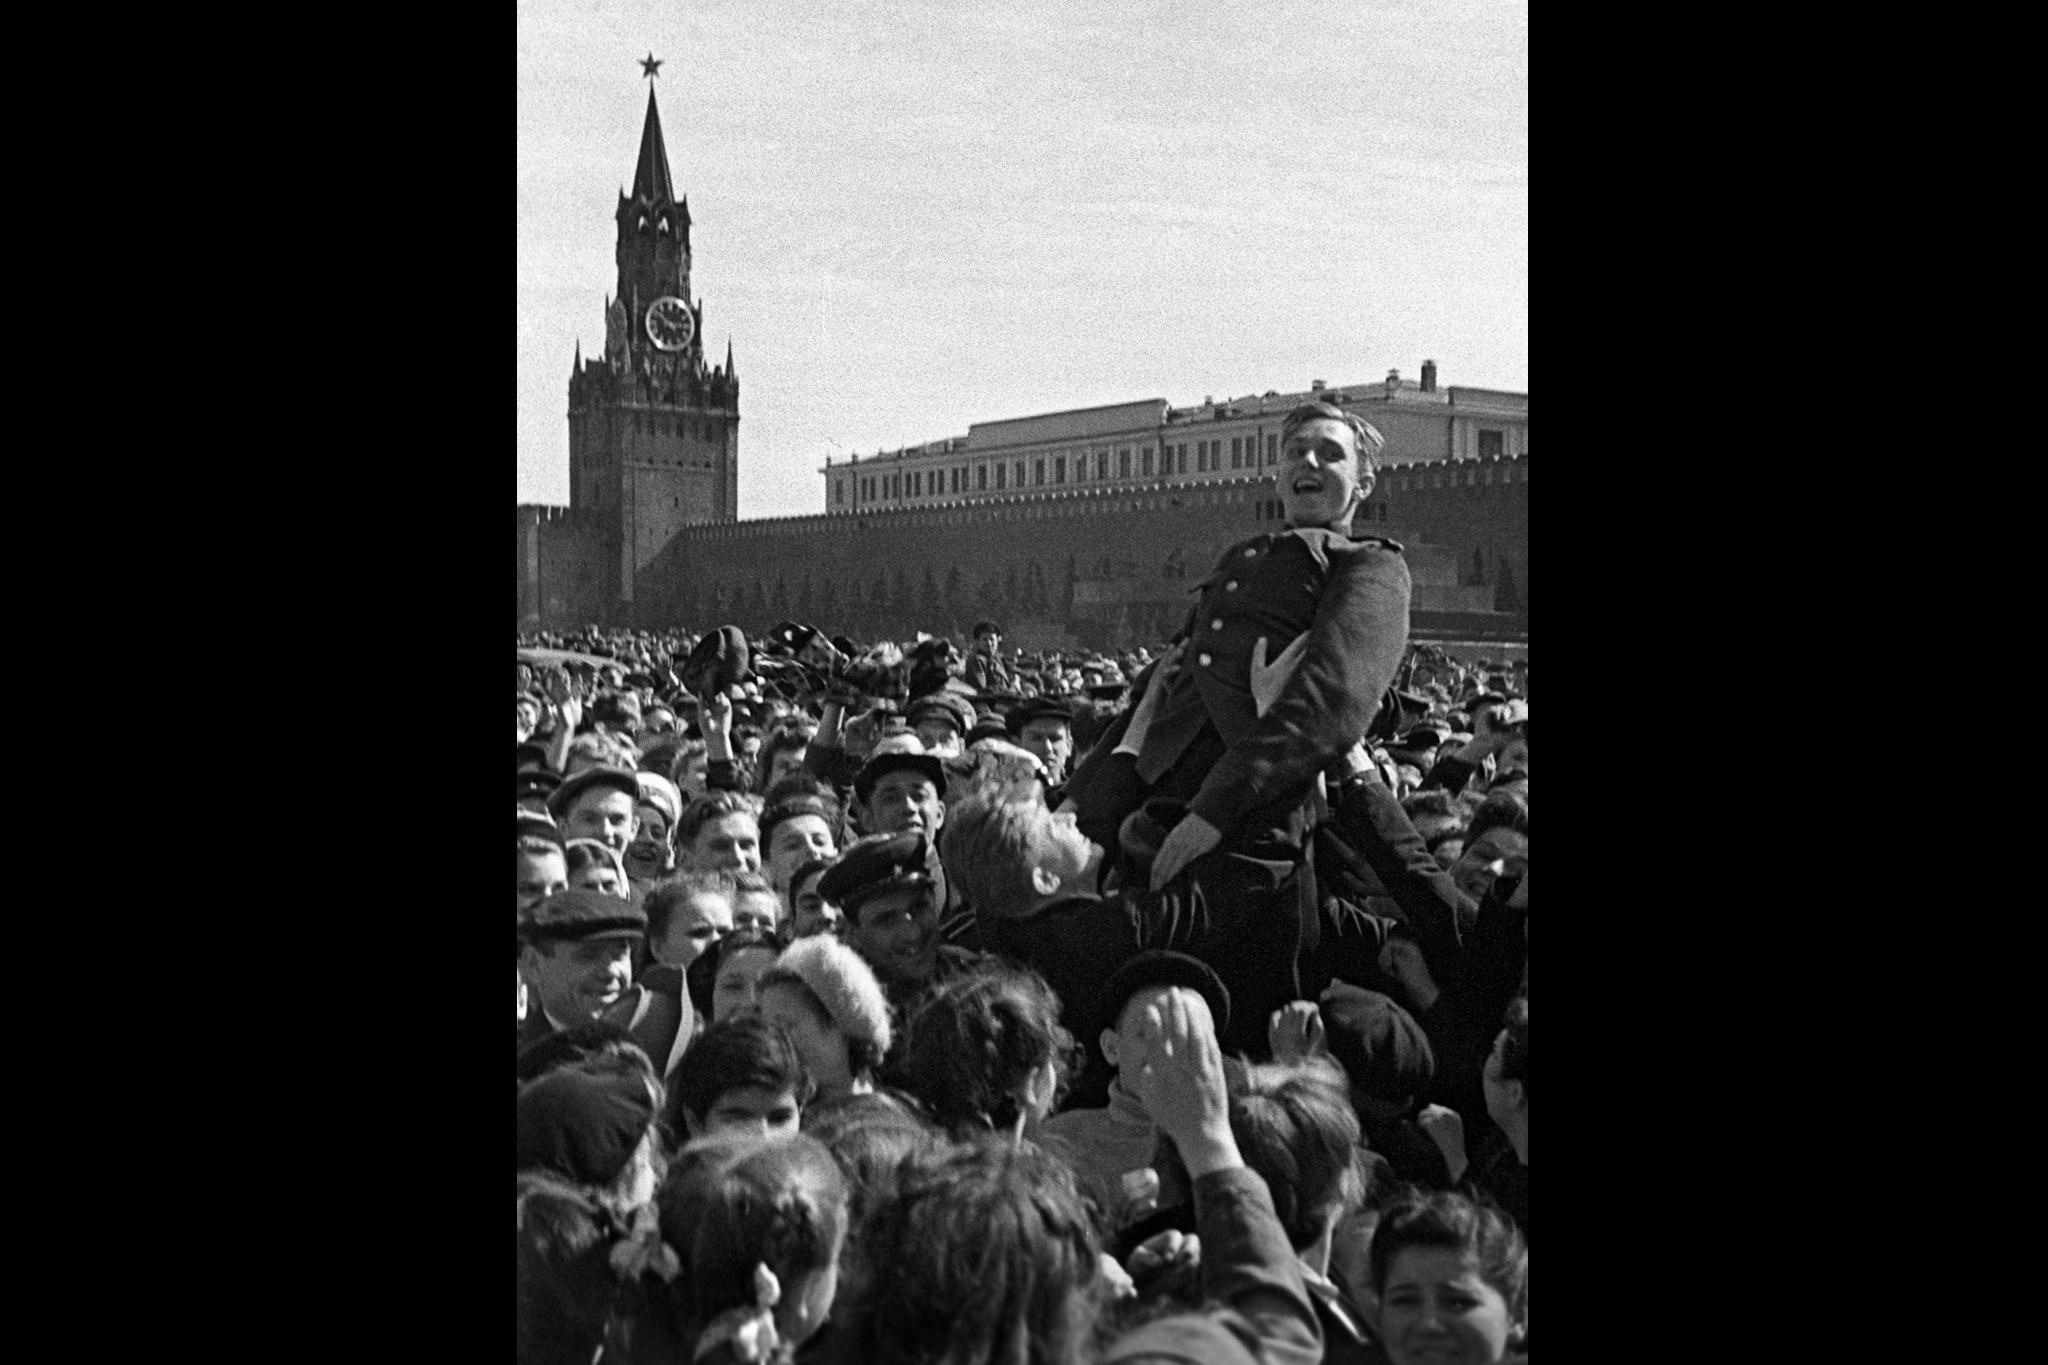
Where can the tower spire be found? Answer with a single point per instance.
(651, 181)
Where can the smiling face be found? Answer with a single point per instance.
(1437, 1308)
(1317, 478)
(904, 799)
(1496, 853)
(811, 913)
(604, 814)
(756, 910)
(647, 857)
(897, 931)
(731, 843)
(736, 986)
(578, 979)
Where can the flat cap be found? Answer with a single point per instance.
(533, 826)
(541, 782)
(720, 660)
(943, 706)
(899, 751)
(1038, 708)
(580, 914)
(878, 863)
(621, 779)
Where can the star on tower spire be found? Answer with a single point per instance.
(650, 67)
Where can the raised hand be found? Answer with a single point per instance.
(1187, 841)
(1148, 705)
(1402, 959)
(1295, 1031)
(1446, 1128)
(1269, 679)
(1171, 1248)
(1180, 1082)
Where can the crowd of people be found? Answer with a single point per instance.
(897, 1002)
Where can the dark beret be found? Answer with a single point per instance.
(566, 794)
(881, 862)
(1162, 967)
(581, 914)
(582, 1125)
(1378, 1043)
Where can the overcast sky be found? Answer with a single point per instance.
(910, 217)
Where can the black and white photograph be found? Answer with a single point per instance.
(1022, 682)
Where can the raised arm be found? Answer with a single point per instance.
(1250, 1274)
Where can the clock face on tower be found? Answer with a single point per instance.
(669, 324)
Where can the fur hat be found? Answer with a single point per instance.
(844, 984)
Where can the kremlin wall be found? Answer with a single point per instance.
(1086, 528)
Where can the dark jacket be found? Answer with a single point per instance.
(1234, 911)
(1498, 1176)
(1243, 772)
(1260, 1306)
(987, 672)
(1475, 951)
(655, 1010)
(535, 1025)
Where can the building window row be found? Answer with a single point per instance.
(1146, 460)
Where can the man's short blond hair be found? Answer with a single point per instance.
(1369, 441)
(989, 845)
